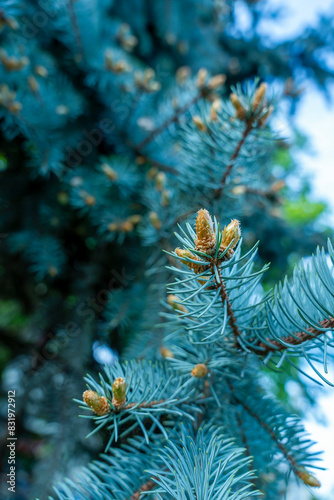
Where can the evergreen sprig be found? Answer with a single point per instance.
(120, 121)
(220, 296)
(152, 392)
(208, 378)
(203, 466)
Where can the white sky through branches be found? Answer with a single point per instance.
(315, 117)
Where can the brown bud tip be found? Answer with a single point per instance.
(215, 108)
(160, 180)
(199, 371)
(240, 112)
(187, 254)
(119, 392)
(126, 226)
(264, 118)
(155, 221)
(166, 352)
(135, 219)
(206, 238)
(109, 171)
(231, 234)
(277, 186)
(41, 71)
(13, 63)
(33, 83)
(216, 81)
(199, 124)
(152, 173)
(90, 200)
(259, 95)
(307, 478)
(97, 403)
(201, 77)
(165, 197)
(173, 301)
(235, 101)
(113, 226)
(182, 74)
(14, 107)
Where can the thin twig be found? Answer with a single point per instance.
(144, 404)
(243, 437)
(272, 345)
(295, 339)
(75, 27)
(246, 132)
(148, 486)
(161, 166)
(232, 320)
(174, 118)
(245, 442)
(268, 429)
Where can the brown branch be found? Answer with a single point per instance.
(268, 429)
(161, 166)
(174, 118)
(275, 345)
(244, 438)
(148, 486)
(295, 339)
(263, 348)
(232, 320)
(247, 130)
(144, 404)
(75, 27)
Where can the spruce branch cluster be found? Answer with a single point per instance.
(122, 120)
(217, 319)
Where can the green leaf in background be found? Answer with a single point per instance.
(302, 210)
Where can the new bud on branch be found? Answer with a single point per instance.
(257, 111)
(197, 268)
(206, 242)
(231, 236)
(206, 238)
(307, 478)
(119, 392)
(199, 371)
(97, 403)
(259, 95)
(173, 301)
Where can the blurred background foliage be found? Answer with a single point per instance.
(82, 230)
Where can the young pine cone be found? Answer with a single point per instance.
(97, 403)
(206, 238)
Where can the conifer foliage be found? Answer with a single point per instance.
(220, 327)
(138, 152)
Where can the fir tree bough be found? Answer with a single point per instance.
(221, 326)
(121, 122)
